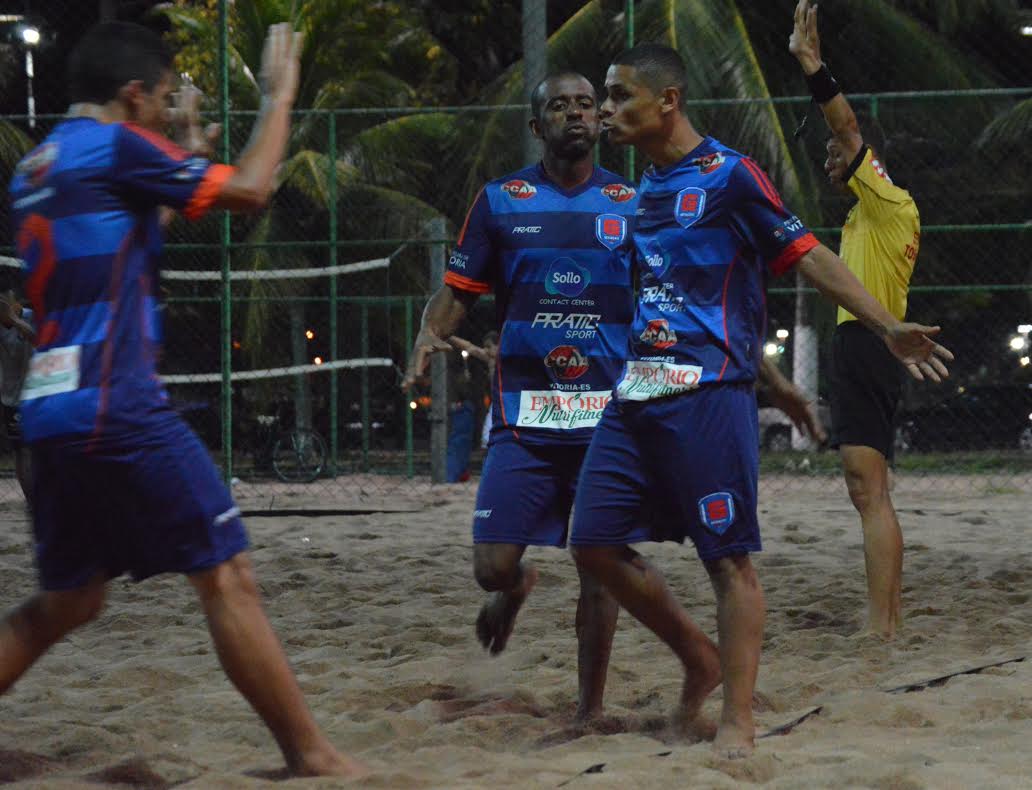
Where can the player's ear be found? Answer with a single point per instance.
(670, 100)
(535, 129)
(131, 95)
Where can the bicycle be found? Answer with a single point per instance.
(297, 455)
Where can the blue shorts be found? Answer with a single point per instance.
(152, 503)
(526, 492)
(670, 469)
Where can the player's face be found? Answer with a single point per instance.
(835, 165)
(152, 107)
(569, 117)
(631, 111)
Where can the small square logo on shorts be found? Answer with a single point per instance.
(717, 511)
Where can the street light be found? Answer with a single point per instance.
(30, 37)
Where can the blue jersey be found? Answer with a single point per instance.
(86, 212)
(558, 262)
(709, 231)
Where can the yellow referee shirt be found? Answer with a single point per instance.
(881, 237)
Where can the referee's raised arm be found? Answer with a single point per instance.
(805, 44)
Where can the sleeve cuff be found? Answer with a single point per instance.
(466, 284)
(792, 253)
(208, 191)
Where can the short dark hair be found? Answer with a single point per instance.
(659, 66)
(112, 54)
(537, 96)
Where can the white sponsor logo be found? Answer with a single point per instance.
(561, 410)
(229, 515)
(663, 297)
(482, 514)
(527, 229)
(458, 260)
(647, 380)
(577, 325)
(35, 197)
(52, 372)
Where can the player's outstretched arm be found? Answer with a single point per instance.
(250, 187)
(475, 351)
(443, 313)
(911, 343)
(805, 44)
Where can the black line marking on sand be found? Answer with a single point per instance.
(359, 510)
(785, 729)
(942, 679)
(591, 769)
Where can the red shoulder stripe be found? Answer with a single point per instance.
(159, 141)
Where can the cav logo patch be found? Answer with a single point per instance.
(611, 230)
(566, 278)
(717, 512)
(689, 206)
(518, 189)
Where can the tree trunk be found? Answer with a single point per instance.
(298, 350)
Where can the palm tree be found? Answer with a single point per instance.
(311, 181)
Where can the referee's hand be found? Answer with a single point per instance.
(921, 356)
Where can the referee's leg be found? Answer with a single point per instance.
(867, 478)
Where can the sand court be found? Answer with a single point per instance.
(376, 610)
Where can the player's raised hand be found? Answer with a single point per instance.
(427, 343)
(805, 43)
(921, 356)
(281, 64)
(185, 117)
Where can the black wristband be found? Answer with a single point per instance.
(822, 85)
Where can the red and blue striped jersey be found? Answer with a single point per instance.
(558, 262)
(709, 231)
(86, 213)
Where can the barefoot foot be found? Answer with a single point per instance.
(327, 761)
(497, 617)
(733, 742)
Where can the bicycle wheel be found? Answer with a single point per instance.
(299, 456)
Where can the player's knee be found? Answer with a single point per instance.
(590, 559)
(234, 577)
(867, 488)
(491, 574)
(66, 610)
(733, 571)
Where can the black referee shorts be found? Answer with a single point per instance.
(866, 387)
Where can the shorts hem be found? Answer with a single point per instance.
(520, 542)
(731, 551)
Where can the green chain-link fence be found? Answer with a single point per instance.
(285, 332)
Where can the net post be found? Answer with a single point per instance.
(364, 378)
(226, 291)
(438, 370)
(409, 457)
(334, 350)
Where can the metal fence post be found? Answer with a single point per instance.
(409, 458)
(227, 290)
(438, 370)
(334, 350)
(535, 66)
(364, 379)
